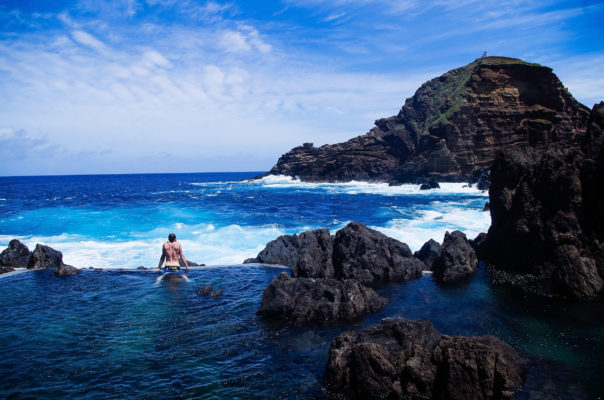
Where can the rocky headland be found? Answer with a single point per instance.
(402, 359)
(452, 128)
(547, 210)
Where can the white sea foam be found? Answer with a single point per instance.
(357, 187)
(432, 224)
(201, 243)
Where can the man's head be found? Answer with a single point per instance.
(171, 237)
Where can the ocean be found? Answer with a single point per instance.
(115, 334)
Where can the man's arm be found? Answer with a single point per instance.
(162, 258)
(182, 257)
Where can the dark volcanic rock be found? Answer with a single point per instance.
(456, 260)
(484, 181)
(304, 300)
(547, 232)
(452, 128)
(370, 256)
(428, 253)
(16, 255)
(355, 252)
(429, 184)
(66, 270)
(479, 245)
(402, 359)
(216, 293)
(45, 257)
(308, 254)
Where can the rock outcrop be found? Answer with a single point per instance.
(452, 128)
(308, 254)
(456, 259)
(370, 256)
(428, 253)
(402, 359)
(44, 257)
(547, 232)
(355, 252)
(16, 255)
(306, 300)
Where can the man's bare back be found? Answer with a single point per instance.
(171, 251)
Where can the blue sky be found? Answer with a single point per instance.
(128, 86)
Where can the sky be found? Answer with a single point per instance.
(148, 86)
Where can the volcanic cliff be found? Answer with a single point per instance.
(452, 128)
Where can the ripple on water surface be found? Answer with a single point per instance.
(112, 334)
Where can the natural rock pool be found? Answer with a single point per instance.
(114, 334)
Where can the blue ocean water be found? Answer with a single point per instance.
(115, 334)
(120, 221)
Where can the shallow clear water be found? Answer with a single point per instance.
(115, 334)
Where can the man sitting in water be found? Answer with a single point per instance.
(171, 251)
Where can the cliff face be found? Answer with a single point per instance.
(547, 234)
(452, 127)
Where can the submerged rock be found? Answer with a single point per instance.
(547, 231)
(428, 253)
(216, 293)
(16, 255)
(402, 359)
(323, 300)
(456, 259)
(66, 270)
(204, 291)
(370, 256)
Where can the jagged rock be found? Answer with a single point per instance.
(430, 183)
(66, 270)
(484, 181)
(456, 259)
(142, 268)
(370, 256)
(452, 128)
(402, 359)
(308, 254)
(45, 257)
(428, 253)
(547, 232)
(304, 300)
(355, 252)
(204, 291)
(487, 206)
(16, 255)
(478, 244)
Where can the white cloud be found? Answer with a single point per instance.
(157, 58)
(87, 39)
(234, 41)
